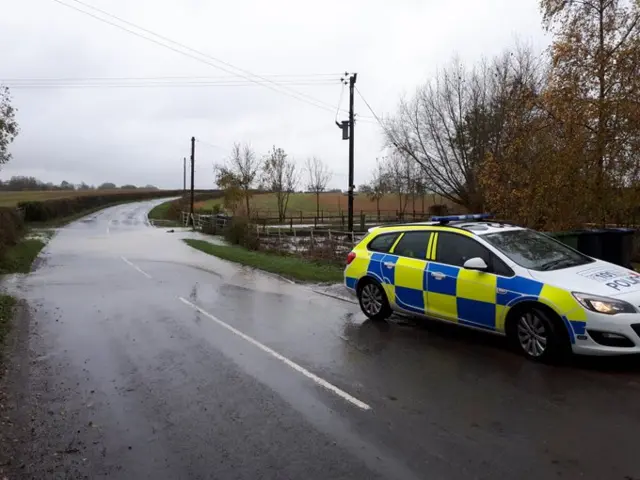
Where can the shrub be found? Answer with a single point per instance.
(240, 232)
(438, 209)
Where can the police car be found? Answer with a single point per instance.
(546, 297)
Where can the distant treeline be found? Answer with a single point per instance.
(18, 183)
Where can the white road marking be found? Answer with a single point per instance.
(320, 381)
(136, 267)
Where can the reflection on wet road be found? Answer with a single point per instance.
(147, 359)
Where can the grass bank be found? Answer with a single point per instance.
(6, 312)
(20, 257)
(165, 213)
(290, 267)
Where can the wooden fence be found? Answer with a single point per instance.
(333, 219)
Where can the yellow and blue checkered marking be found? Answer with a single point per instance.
(463, 296)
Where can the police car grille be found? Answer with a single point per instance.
(636, 328)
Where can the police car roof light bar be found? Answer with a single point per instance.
(457, 218)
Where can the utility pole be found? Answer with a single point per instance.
(193, 161)
(352, 124)
(348, 128)
(184, 176)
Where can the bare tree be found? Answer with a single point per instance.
(280, 176)
(240, 172)
(396, 167)
(452, 123)
(379, 185)
(319, 176)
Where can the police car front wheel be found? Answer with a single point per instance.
(536, 335)
(373, 301)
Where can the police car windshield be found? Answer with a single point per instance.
(535, 251)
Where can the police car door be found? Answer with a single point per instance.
(410, 268)
(455, 293)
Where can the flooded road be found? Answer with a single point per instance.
(140, 357)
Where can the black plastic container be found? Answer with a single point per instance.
(617, 246)
(590, 242)
(568, 238)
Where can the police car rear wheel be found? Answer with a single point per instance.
(373, 301)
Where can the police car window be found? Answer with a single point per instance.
(535, 251)
(413, 245)
(383, 243)
(454, 249)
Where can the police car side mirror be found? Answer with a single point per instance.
(475, 263)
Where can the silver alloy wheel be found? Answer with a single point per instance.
(532, 334)
(371, 299)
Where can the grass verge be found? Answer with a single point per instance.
(162, 212)
(290, 267)
(6, 312)
(19, 258)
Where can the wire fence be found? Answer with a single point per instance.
(314, 244)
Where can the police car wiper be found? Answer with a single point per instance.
(556, 263)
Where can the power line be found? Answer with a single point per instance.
(283, 90)
(340, 101)
(370, 109)
(285, 78)
(156, 85)
(210, 144)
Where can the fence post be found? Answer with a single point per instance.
(342, 219)
(291, 223)
(301, 216)
(362, 221)
(321, 216)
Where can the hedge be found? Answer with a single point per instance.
(45, 210)
(11, 228)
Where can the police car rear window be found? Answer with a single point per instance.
(383, 243)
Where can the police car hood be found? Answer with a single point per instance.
(598, 278)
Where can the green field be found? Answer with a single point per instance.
(265, 204)
(11, 199)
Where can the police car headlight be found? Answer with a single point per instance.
(609, 306)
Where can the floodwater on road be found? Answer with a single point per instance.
(139, 357)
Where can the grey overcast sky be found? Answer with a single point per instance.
(140, 135)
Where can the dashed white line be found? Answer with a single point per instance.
(136, 267)
(320, 381)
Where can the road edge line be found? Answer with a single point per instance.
(298, 368)
(136, 267)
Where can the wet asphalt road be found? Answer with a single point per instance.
(142, 358)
